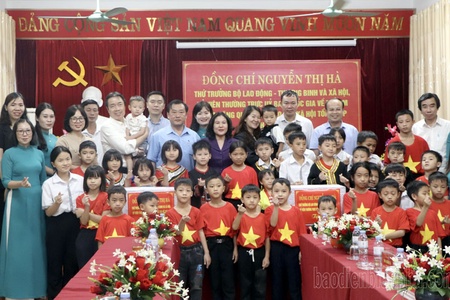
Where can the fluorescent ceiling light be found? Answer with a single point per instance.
(266, 44)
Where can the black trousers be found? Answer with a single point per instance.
(62, 265)
(252, 277)
(221, 270)
(285, 269)
(191, 269)
(86, 246)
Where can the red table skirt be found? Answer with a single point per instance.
(328, 274)
(78, 287)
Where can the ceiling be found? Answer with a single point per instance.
(202, 4)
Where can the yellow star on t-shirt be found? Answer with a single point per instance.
(386, 230)
(114, 234)
(427, 234)
(236, 192)
(187, 234)
(286, 233)
(362, 210)
(250, 237)
(222, 230)
(411, 164)
(441, 217)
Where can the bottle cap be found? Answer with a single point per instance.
(357, 227)
(362, 231)
(400, 250)
(153, 230)
(378, 237)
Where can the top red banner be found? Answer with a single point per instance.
(206, 24)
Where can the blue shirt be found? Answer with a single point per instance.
(154, 127)
(351, 136)
(186, 139)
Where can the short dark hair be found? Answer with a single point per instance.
(70, 112)
(288, 93)
(366, 134)
(263, 141)
(166, 146)
(110, 155)
(342, 102)
(326, 199)
(156, 93)
(117, 189)
(94, 171)
(263, 172)
(326, 137)
(427, 96)
(397, 146)
(363, 149)
(210, 128)
(296, 135)
(33, 141)
(387, 183)
(114, 94)
(250, 188)
(435, 176)
(375, 167)
(356, 166)
(269, 108)
(282, 181)
(435, 153)
(183, 181)
(197, 108)
(144, 197)
(137, 98)
(404, 112)
(201, 144)
(57, 151)
(176, 102)
(292, 127)
(414, 187)
(4, 116)
(237, 144)
(339, 130)
(394, 168)
(143, 161)
(87, 145)
(212, 177)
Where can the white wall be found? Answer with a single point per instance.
(202, 4)
(423, 4)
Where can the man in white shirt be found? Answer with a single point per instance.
(432, 128)
(113, 132)
(289, 105)
(91, 101)
(335, 113)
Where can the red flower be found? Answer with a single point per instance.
(96, 290)
(141, 274)
(425, 265)
(409, 273)
(118, 284)
(159, 278)
(152, 216)
(146, 284)
(161, 266)
(104, 278)
(140, 262)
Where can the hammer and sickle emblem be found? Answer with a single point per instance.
(78, 78)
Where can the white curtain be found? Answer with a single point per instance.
(7, 55)
(429, 62)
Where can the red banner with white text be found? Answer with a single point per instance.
(230, 86)
(208, 24)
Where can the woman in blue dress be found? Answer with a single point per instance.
(45, 119)
(22, 247)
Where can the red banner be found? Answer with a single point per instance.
(166, 200)
(307, 201)
(230, 86)
(207, 24)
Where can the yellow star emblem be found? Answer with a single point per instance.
(286, 233)
(111, 71)
(187, 234)
(236, 192)
(362, 210)
(113, 234)
(441, 217)
(250, 237)
(411, 164)
(222, 230)
(386, 230)
(427, 234)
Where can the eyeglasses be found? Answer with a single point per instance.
(24, 132)
(77, 119)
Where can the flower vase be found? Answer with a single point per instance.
(335, 243)
(161, 242)
(423, 294)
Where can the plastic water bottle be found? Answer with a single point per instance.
(323, 220)
(354, 249)
(378, 249)
(363, 245)
(400, 256)
(198, 279)
(125, 296)
(153, 237)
